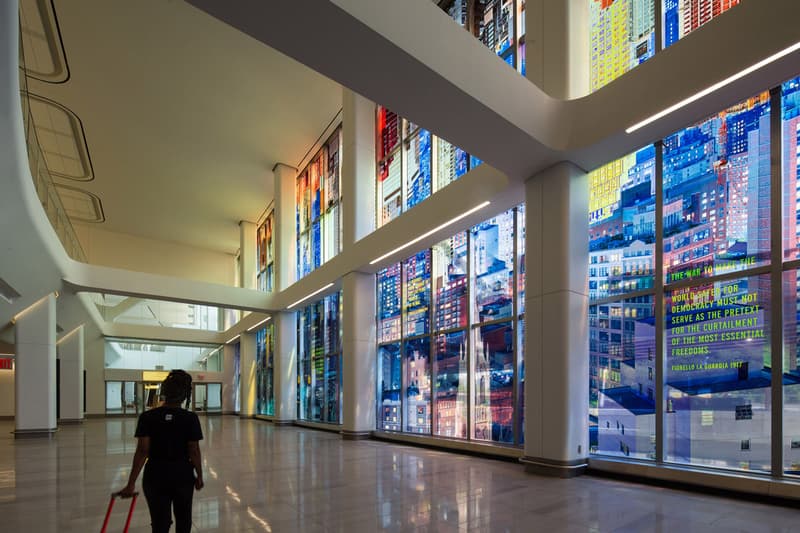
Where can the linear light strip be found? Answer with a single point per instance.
(431, 232)
(233, 339)
(301, 300)
(715, 87)
(262, 322)
(64, 337)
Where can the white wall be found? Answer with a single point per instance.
(94, 360)
(228, 391)
(185, 357)
(120, 250)
(6, 393)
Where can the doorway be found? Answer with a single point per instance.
(151, 394)
(207, 398)
(122, 398)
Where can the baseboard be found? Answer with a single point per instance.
(334, 428)
(35, 433)
(70, 421)
(553, 468)
(356, 435)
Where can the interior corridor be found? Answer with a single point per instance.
(274, 479)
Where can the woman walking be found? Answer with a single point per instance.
(168, 441)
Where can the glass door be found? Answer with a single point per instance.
(122, 398)
(114, 398)
(199, 398)
(214, 398)
(130, 398)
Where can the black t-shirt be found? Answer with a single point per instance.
(170, 430)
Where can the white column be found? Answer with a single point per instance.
(247, 381)
(285, 324)
(358, 167)
(35, 369)
(557, 46)
(71, 354)
(228, 392)
(285, 367)
(247, 254)
(556, 305)
(358, 355)
(284, 231)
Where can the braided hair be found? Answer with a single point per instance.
(177, 387)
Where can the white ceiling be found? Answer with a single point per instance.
(184, 116)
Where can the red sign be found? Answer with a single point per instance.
(6, 363)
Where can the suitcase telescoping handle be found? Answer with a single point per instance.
(111, 506)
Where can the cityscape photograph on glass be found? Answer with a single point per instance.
(622, 33)
(265, 376)
(319, 361)
(498, 24)
(318, 213)
(717, 213)
(265, 254)
(412, 164)
(447, 367)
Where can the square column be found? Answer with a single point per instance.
(228, 379)
(358, 355)
(285, 368)
(71, 354)
(358, 167)
(247, 381)
(247, 255)
(556, 328)
(35, 369)
(284, 230)
(557, 46)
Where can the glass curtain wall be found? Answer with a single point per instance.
(681, 17)
(318, 215)
(449, 359)
(622, 33)
(412, 164)
(697, 300)
(621, 311)
(265, 355)
(265, 250)
(790, 282)
(498, 24)
(319, 362)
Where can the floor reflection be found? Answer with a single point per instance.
(260, 478)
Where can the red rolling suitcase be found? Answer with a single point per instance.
(111, 506)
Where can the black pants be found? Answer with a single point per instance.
(168, 491)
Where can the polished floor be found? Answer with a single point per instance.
(268, 479)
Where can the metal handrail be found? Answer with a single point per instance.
(42, 179)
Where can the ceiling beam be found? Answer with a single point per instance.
(412, 58)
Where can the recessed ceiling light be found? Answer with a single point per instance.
(329, 285)
(431, 232)
(717, 86)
